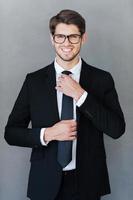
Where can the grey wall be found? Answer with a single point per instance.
(25, 47)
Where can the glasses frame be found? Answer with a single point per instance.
(66, 37)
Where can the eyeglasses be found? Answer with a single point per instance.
(60, 38)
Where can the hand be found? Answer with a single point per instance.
(69, 87)
(61, 131)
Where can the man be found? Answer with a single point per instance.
(69, 112)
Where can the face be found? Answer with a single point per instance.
(67, 53)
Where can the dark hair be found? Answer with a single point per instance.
(67, 17)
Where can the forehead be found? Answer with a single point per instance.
(66, 29)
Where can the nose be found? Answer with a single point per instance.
(66, 42)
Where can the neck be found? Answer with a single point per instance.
(67, 65)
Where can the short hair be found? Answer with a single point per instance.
(67, 17)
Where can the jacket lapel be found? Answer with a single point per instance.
(85, 81)
(51, 91)
(85, 76)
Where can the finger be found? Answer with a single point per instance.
(59, 138)
(58, 83)
(72, 122)
(74, 128)
(74, 133)
(66, 76)
(69, 138)
(72, 138)
(59, 88)
(61, 78)
(66, 136)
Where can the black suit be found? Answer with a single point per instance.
(100, 113)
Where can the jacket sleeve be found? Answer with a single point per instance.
(106, 115)
(16, 131)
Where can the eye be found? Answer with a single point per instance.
(59, 36)
(74, 36)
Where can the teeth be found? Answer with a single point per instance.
(66, 50)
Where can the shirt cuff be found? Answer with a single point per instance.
(42, 132)
(81, 99)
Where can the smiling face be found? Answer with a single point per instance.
(67, 54)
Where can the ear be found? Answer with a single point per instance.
(84, 38)
(51, 38)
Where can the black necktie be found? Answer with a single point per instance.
(65, 147)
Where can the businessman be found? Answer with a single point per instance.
(70, 104)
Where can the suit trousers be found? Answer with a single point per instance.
(68, 189)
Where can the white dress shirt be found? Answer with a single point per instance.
(76, 76)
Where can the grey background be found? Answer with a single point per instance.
(25, 47)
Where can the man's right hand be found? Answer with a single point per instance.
(61, 131)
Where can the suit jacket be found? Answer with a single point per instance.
(100, 113)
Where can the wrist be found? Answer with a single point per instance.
(78, 94)
(47, 135)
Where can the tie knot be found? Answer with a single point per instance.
(66, 72)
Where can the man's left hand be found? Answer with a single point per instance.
(69, 87)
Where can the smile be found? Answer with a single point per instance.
(66, 50)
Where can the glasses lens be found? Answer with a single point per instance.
(59, 38)
(74, 38)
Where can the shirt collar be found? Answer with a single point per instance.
(76, 69)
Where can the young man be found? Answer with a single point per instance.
(70, 105)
